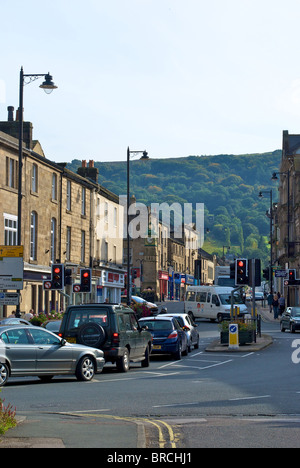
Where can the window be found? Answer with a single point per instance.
(34, 178)
(53, 240)
(33, 235)
(10, 229)
(54, 187)
(14, 336)
(68, 243)
(41, 337)
(69, 187)
(11, 173)
(106, 212)
(201, 297)
(190, 296)
(82, 246)
(115, 217)
(83, 201)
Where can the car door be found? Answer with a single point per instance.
(20, 351)
(51, 356)
(131, 335)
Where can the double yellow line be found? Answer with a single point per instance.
(169, 441)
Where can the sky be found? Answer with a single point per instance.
(173, 77)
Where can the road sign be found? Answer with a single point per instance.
(11, 250)
(281, 273)
(76, 288)
(233, 336)
(9, 298)
(11, 272)
(47, 284)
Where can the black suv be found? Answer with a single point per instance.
(113, 328)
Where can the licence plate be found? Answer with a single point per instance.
(156, 346)
(71, 339)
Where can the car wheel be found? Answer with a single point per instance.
(91, 334)
(178, 353)
(4, 374)
(85, 370)
(196, 345)
(146, 361)
(220, 318)
(282, 327)
(292, 328)
(190, 347)
(123, 363)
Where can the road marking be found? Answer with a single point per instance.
(250, 398)
(156, 423)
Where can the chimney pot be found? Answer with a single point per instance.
(91, 163)
(10, 113)
(84, 163)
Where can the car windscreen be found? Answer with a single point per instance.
(295, 312)
(79, 317)
(157, 324)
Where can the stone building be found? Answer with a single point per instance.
(63, 215)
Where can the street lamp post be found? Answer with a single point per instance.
(271, 235)
(274, 177)
(145, 156)
(48, 87)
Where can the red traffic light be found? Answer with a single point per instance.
(57, 270)
(85, 274)
(240, 263)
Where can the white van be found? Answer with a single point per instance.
(211, 302)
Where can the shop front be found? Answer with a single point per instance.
(109, 286)
(163, 278)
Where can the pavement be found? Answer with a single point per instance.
(41, 431)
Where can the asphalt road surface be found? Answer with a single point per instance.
(204, 400)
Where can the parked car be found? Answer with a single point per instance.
(52, 325)
(14, 321)
(190, 328)
(112, 328)
(259, 296)
(34, 351)
(168, 336)
(152, 308)
(290, 319)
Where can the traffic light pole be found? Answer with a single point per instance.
(232, 301)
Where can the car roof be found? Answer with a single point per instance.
(163, 317)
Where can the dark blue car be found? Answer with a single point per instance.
(168, 336)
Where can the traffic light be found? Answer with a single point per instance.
(292, 277)
(85, 280)
(256, 264)
(134, 273)
(266, 273)
(57, 280)
(68, 275)
(241, 273)
(232, 270)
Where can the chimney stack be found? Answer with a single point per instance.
(10, 113)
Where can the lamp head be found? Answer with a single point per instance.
(48, 85)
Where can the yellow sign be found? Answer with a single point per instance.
(11, 250)
(233, 336)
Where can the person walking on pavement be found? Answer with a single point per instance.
(275, 305)
(281, 305)
(270, 300)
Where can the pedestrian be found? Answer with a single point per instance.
(270, 300)
(281, 305)
(275, 305)
(28, 316)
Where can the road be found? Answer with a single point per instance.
(204, 400)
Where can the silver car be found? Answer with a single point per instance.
(34, 351)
